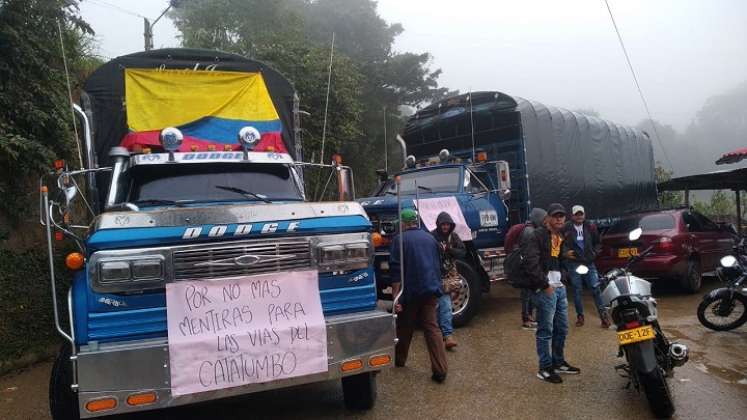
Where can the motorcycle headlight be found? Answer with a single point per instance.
(344, 253)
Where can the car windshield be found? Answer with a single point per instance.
(431, 180)
(215, 182)
(647, 223)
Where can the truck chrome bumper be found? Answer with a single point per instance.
(120, 370)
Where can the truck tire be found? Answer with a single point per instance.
(466, 302)
(63, 402)
(359, 391)
(692, 279)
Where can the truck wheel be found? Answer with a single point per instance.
(692, 279)
(359, 391)
(465, 303)
(63, 402)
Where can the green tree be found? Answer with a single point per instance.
(35, 115)
(667, 199)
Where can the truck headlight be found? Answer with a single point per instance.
(124, 270)
(344, 255)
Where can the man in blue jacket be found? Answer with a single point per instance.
(420, 292)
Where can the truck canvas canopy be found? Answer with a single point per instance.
(555, 155)
(208, 95)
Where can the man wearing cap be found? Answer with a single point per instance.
(542, 252)
(420, 292)
(582, 246)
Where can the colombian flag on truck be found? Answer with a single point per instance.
(208, 106)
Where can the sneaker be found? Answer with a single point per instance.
(438, 377)
(549, 375)
(529, 325)
(606, 321)
(580, 321)
(450, 343)
(567, 369)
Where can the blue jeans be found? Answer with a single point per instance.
(444, 315)
(527, 308)
(590, 280)
(552, 326)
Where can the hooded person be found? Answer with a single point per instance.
(451, 248)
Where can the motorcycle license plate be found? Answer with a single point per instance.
(627, 252)
(635, 335)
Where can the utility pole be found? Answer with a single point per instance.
(148, 32)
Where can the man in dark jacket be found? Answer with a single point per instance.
(420, 292)
(582, 247)
(451, 248)
(541, 249)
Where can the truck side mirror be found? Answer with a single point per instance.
(503, 175)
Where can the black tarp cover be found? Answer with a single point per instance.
(104, 90)
(569, 157)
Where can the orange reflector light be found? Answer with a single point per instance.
(482, 156)
(193, 148)
(58, 236)
(351, 365)
(74, 261)
(227, 147)
(59, 164)
(211, 148)
(377, 239)
(270, 148)
(44, 189)
(146, 150)
(142, 399)
(102, 404)
(380, 360)
(337, 158)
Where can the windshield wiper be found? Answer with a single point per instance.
(157, 202)
(245, 193)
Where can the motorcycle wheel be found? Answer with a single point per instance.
(658, 394)
(720, 313)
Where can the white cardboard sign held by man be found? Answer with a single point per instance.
(244, 330)
(429, 209)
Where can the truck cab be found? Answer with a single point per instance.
(479, 188)
(202, 271)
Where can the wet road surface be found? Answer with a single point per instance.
(491, 376)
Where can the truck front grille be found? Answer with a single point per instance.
(242, 258)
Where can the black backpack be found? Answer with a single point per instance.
(513, 266)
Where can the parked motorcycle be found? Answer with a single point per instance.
(725, 308)
(650, 357)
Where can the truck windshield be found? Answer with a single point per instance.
(215, 182)
(431, 180)
(647, 223)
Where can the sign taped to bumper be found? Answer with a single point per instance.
(244, 330)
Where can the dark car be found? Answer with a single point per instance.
(687, 245)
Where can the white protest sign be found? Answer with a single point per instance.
(429, 209)
(244, 330)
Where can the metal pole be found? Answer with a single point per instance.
(326, 101)
(147, 34)
(386, 150)
(687, 198)
(50, 252)
(401, 250)
(739, 210)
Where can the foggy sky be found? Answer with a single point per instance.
(562, 53)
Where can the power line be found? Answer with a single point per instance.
(640, 91)
(105, 4)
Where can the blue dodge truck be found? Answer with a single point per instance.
(192, 174)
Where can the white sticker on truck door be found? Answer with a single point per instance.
(488, 218)
(244, 330)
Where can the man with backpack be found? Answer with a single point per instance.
(511, 248)
(541, 251)
(452, 248)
